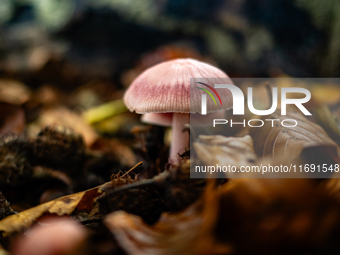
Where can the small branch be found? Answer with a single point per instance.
(133, 168)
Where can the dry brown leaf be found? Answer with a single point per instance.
(242, 216)
(116, 148)
(87, 202)
(278, 140)
(14, 92)
(61, 206)
(173, 234)
(177, 234)
(80, 202)
(277, 216)
(220, 150)
(65, 118)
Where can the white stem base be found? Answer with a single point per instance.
(179, 139)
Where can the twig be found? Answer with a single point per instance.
(140, 184)
(133, 168)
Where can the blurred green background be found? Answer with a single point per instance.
(71, 42)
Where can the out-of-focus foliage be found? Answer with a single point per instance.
(54, 14)
(6, 10)
(96, 39)
(325, 15)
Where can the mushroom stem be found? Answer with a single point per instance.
(180, 139)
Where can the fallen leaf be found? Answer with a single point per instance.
(14, 92)
(78, 202)
(65, 118)
(220, 150)
(87, 202)
(61, 206)
(242, 216)
(279, 140)
(117, 150)
(175, 234)
(277, 216)
(66, 205)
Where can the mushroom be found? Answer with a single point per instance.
(162, 93)
(53, 236)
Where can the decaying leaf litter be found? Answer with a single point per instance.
(55, 164)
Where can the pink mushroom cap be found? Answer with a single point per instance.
(165, 88)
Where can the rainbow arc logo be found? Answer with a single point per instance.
(204, 97)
